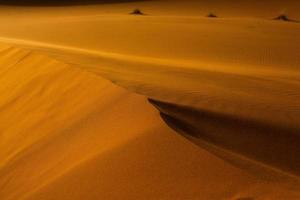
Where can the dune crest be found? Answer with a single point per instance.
(75, 122)
(93, 143)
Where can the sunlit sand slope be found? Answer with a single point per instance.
(230, 85)
(67, 134)
(242, 69)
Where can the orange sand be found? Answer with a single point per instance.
(230, 85)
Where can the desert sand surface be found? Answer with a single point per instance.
(99, 104)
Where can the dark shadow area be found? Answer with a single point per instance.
(270, 144)
(137, 12)
(211, 15)
(61, 2)
(285, 18)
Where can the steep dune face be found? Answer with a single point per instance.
(227, 74)
(230, 85)
(54, 117)
(67, 134)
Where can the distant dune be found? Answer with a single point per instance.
(99, 104)
(62, 2)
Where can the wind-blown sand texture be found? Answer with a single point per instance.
(96, 103)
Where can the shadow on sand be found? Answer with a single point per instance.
(285, 18)
(269, 144)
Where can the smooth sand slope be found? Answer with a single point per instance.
(68, 134)
(230, 85)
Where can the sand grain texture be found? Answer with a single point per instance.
(94, 102)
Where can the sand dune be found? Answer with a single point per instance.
(90, 139)
(236, 134)
(75, 122)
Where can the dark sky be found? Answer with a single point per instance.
(58, 2)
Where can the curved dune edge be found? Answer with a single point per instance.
(248, 91)
(66, 133)
(68, 143)
(275, 137)
(266, 143)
